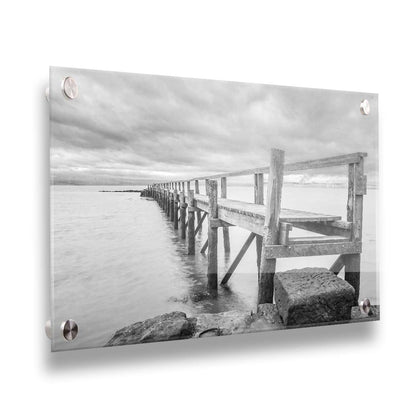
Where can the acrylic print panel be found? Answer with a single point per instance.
(185, 208)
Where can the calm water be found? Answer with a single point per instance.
(116, 259)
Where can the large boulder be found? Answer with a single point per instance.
(166, 327)
(312, 296)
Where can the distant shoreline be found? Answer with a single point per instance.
(292, 184)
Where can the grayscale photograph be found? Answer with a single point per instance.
(186, 208)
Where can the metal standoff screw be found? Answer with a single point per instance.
(69, 88)
(69, 329)
(365, 306)
(48, 329)
(47, 94)
(365, 107)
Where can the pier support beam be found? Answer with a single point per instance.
(258, 199)
(175, 209)
(225, 230)
(271, 222)
(212, 235)
(198, 211)
(172, 206)
(356, 192)
(182, 205)
(200, 222)
(237, 260)
(191, 222)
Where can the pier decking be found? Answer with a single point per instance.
(269, 224)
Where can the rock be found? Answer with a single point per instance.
(167, 327)
(312, 295)
(176, 325)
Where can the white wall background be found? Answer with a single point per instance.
(353, 45)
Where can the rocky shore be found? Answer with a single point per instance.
(176, 325)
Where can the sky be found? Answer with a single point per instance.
(131, 129)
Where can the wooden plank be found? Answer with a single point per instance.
(271, 235)
(199, 226)
(294, 167)
(191, 223)
(237, 260)
(212, 236)
(316, 240)
(225, 231)
(305, 250)
(340, 228)
(259, 211)
(337, 265)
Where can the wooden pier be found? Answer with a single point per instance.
(270, 224)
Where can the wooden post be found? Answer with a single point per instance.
(212, 235)
(198, 211)
(271, 223)
(175, 209)
(225, 230)
(172, 206)
(356, 191)
(258, 199)
(191, 222)
(168, 203)
(188, 188)
(206, 186)
(182, 206)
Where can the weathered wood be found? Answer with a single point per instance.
(198, 211)
(304, 250)
(216, 222)
(182, 207)
(337, 265)
(350, 199)
(212, 236)
(316, 240)
(237, 260)
(175, 209)
(352, 272)
(204, 247)
(199, 226)
(259, 199)
(191, 223)
(271, 221)
(188, 188)
(294, 167)
(284, 229)
(352, 263)
(340, 228)
(167, 203)
(225, 231)
(172, 206)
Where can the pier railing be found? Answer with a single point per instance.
(269, 224)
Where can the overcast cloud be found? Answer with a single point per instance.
(134, 129)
